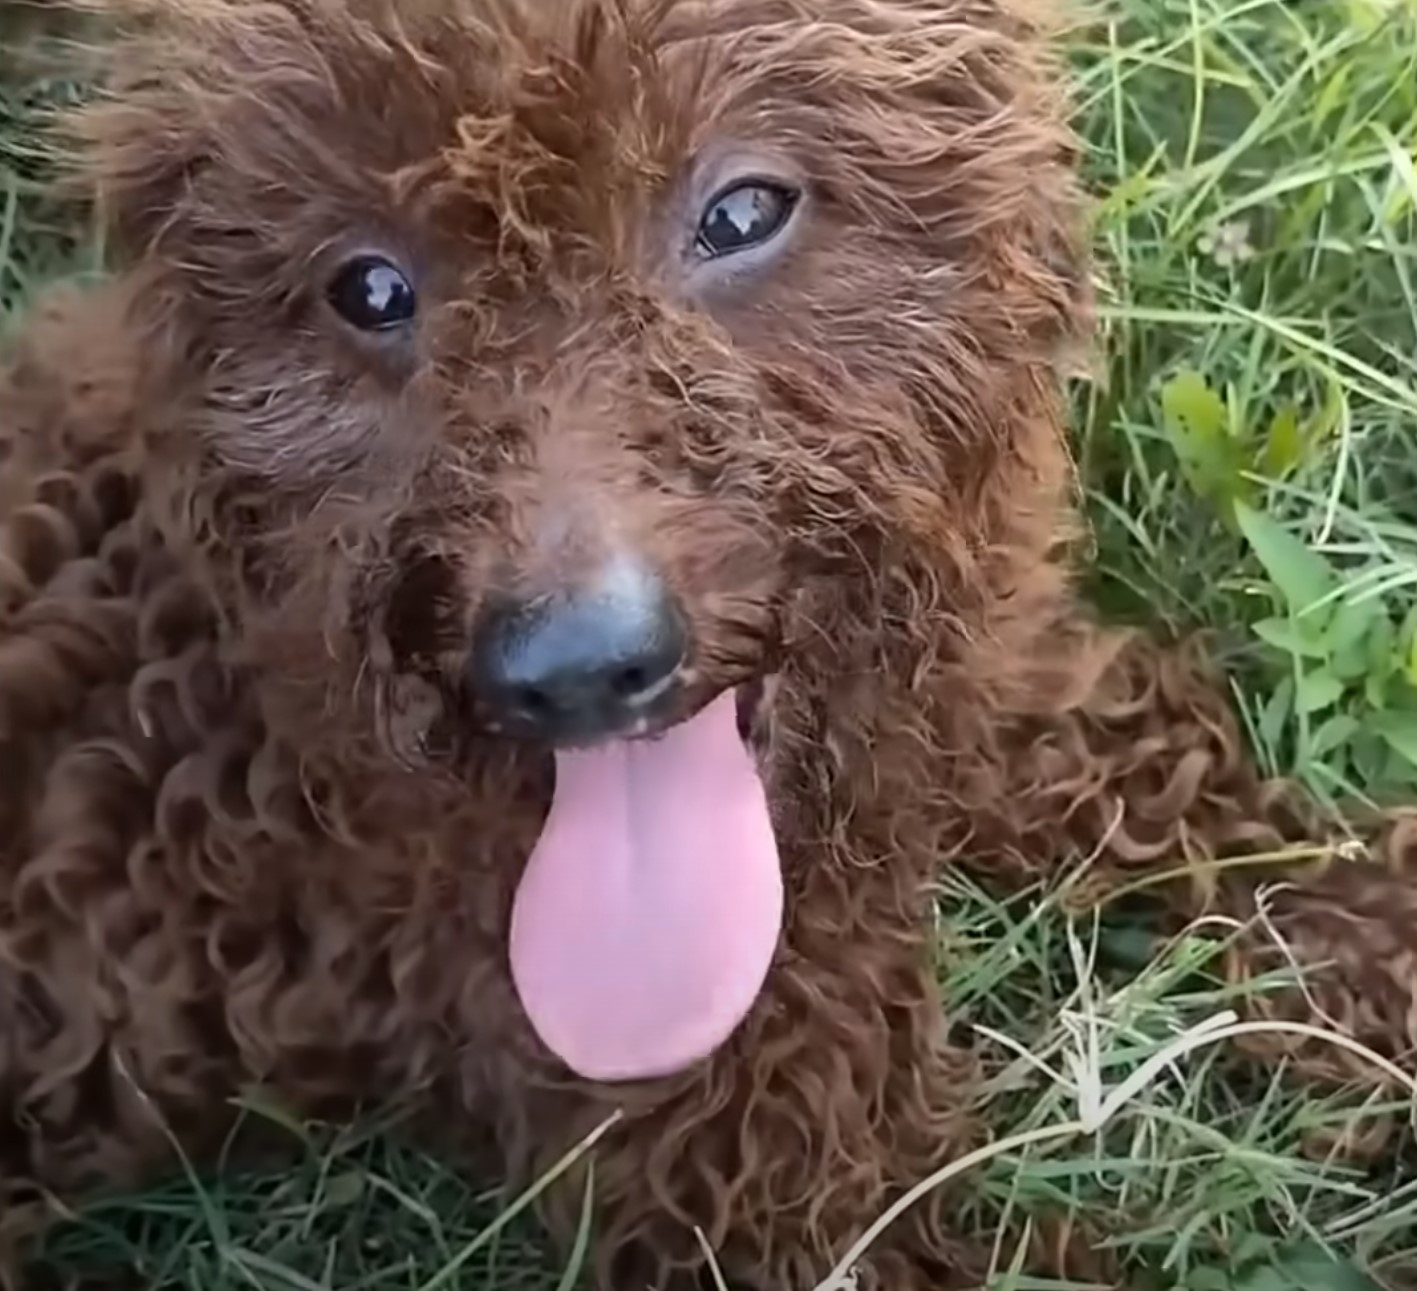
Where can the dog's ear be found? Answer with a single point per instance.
(171, 75)
(135, 149)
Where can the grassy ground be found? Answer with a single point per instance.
(1250, 459)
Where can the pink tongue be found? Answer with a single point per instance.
(650, 908)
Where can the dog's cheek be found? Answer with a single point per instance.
(296, 420)
(406, 615)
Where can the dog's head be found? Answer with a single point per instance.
(561, 370)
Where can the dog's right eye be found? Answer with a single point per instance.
(373, 294)
(744, 216)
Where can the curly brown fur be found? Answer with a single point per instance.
(248, 829)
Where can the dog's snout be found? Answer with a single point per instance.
(582, 664)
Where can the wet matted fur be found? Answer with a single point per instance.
(249, 827)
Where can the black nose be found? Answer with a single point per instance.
(583, 665)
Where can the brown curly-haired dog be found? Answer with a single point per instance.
(486, 384)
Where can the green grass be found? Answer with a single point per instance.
(1255, 165)
(38, 241)
(1251, 467)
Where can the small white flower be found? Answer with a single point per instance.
(1229, 243)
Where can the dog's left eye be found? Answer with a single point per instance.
(744, 216)
(372, 294)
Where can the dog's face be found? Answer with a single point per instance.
(586, 348)
(591, 361)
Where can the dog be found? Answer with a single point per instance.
(556, 529)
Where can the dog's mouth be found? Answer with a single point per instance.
(649, 911)
(751, 700)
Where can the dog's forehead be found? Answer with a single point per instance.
(586, 132)
(578, 115)
(633, 83)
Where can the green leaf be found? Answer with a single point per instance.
(1350, 623)
(1327, 419)
(1339, 729)
(1399, 730)
(1351, 667)
(1133, 188)
(1277, 711)
(1191, 406)
(1304, 1266)
(1289, 635)
(1131, 947)
(344, 1189)
(1334, 95)
(1210, 1279)
(263, 1102)
(1369, 754)
(1404, 169)
(1347, 636)
(1252, 1248)
(1318, 690)
(1398, 773)
(1309, 1267)
(1284, 442)
(1198, 425)
(1364, 15)
(1382, 648)
(1265, 1278)
(1300, 574)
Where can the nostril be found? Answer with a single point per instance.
(531, 700)
(630, 682)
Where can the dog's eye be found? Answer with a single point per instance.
(744, 216)
(372, 294)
